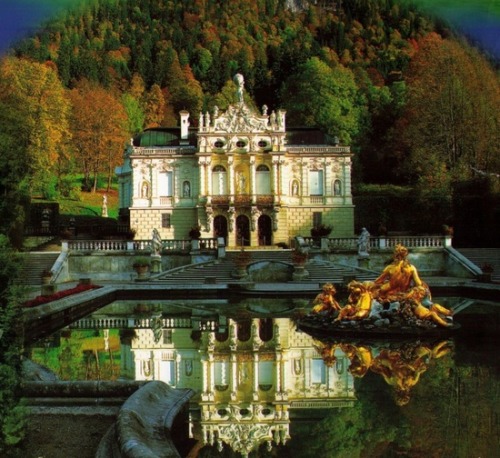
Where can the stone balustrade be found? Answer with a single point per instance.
(145, 323)
(212, 244)
(380, 243)
(180, 245)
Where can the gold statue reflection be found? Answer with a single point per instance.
(400, 364)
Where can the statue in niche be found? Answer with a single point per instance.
(189, 367)
(337, 188)
(145, 190)
(186, 189)
(210, 214)
(242, 183)
(295, 188)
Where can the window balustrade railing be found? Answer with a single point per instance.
(316, 199)
(315, 149)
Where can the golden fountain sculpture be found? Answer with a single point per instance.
(399, 288)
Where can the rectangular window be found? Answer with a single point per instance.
(165, 184)
(317, 219)
(167, 372)
(316, 182)
(165, 220)
(318, 371)
(167, 336)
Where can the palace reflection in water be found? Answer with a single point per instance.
(262, 384)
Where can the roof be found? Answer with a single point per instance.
(308, 136)
(170, 136)
(163, 136)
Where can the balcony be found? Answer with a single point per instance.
(265, 200)
(242, 200)
(220, 200)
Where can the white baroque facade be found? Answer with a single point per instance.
(239, 174)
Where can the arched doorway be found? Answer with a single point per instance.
(220, 227)
(242, 231)
(265, 228)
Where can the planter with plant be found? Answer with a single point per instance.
(486, 269)
(321, 231)
(141, 265)
(195, 233)
(241, 261)
(46, 276)
(299, 260)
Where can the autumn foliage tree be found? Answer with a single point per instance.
(452, 116)
(34, 131)
(99, 127)
(34, 118)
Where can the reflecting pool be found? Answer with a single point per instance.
(265, 388)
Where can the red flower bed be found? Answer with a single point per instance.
(39, 300)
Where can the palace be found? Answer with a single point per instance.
(239, 174)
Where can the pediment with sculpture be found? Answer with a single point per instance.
(240, 118)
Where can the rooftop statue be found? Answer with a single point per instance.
(240, 84)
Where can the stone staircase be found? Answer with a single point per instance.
(35, 263)
(220, 271)
(480, 256)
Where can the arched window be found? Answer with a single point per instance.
(263, 180)
(219, 181)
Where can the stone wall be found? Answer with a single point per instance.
(113, 266)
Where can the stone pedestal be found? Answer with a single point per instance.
(240, 272)
(300, 273)
(364, 262)
(156, 263)
(142, 273)
(48, 290)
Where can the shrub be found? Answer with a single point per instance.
(141, 261)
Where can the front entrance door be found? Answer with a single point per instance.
(265, 227)
(220, 227)
(242, 231)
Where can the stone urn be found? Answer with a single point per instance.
(299, 260)
(46, 277)
(241, 262)
(142, 266)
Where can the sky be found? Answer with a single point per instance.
(479, 19)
